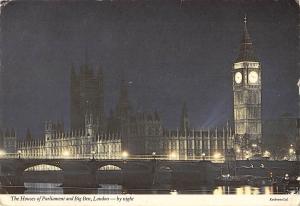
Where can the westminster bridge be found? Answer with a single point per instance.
(136, 173)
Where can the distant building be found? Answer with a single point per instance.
(87, 97)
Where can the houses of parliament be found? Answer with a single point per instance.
(141, 134)
(137, 133)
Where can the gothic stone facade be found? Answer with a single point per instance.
(247, 84)
(140, 134)
(165, 143)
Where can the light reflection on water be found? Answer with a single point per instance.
(55, 188)
(43, 188)
(243, 190)
(109, 189)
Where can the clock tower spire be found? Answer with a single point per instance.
(246, 76)
(246, 48)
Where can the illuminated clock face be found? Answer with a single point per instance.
(253, 77)
(238, 77)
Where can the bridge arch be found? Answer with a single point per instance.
(109, 167)
(41, 172)
(43, 167)
(53, 166)
(102, 166)
(125, 165)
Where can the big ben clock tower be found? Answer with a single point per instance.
(246, 76)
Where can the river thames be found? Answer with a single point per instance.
(56, 188)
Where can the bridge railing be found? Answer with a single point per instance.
(104, 157)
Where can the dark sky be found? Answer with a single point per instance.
(170, 52)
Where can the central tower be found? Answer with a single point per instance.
(87, 99)
(246, 81)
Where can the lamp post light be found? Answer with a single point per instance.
(2, 153)
(153, 168)
(217, 156)
(19, 154)
(125, 155)
(172, 156)
(203, 156)
(153, 155)
(66, 153)
(93, 155)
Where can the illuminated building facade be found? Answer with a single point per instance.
(171, 144)
(140, 134)
(247, 84)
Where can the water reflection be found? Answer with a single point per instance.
(109, 189)
(43, 188)
(247, 190)
(55, 188)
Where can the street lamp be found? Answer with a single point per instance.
(217, 155)
(19, 154)
(153, 168)
(203, 156)
(66, 153)
(153, 154)
(2, 153)
(93, 155)
(172, 156)
(125, 155)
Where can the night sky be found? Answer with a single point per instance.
(171, 51)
